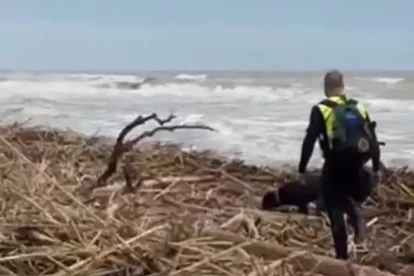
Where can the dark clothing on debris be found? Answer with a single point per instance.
(295, 193)
(299, 194)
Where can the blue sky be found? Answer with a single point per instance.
(128, 35)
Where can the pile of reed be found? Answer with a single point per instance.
(76, 205)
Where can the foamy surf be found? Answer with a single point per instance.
(383, 80)
(198, 77)
(388, 80)
(258, 118)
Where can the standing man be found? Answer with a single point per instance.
(347, 139)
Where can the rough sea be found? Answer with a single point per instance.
(259, 117)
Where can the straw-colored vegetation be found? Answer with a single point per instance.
(169, 212)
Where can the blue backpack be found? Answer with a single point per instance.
(351, 132)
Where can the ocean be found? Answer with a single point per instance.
(259, 117)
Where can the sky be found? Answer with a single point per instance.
(195, 35)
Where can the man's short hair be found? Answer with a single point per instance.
(333, 80)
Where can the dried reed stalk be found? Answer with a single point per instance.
(170, 212)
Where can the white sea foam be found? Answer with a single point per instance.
(255, 120)
(384, 80)
(191, 77)
(388, 80)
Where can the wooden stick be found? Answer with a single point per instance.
(327, 266)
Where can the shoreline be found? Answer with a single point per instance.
(97, 137)
(171, 208)
(109, 141)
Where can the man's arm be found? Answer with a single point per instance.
(315, 127)
(376, 151)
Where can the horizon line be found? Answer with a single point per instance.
(201, 71)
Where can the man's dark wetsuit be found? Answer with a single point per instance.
(339, 182)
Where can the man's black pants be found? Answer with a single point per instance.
(344, 186)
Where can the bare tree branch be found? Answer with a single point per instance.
(121, 147)
(150, 133)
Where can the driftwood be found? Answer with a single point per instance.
(116, 187)
(309, 262)
(178, 213)
(121, 147)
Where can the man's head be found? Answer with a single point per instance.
(333, 83)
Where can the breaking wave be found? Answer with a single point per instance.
(261, 120)
(198, 77)
(383, 80)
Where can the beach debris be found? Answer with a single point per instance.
(191, 214)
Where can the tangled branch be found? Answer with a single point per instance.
(121, 147)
